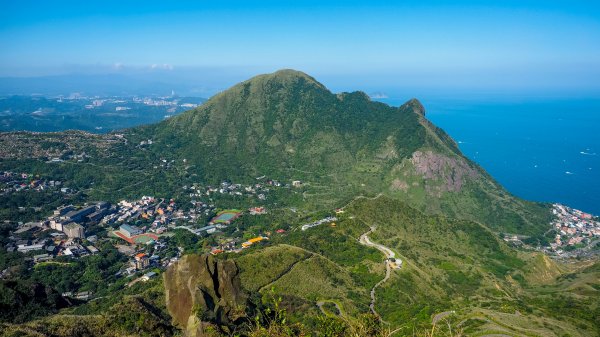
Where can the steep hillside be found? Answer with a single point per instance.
(287, 125)
(136, 311)
(462, 266)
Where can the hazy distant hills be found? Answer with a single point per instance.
(103, 85)
(197, 82)
(97, 114)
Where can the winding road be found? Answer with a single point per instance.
(389, 254)
(391, 262)
(320, 305)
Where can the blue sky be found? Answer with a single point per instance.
(494, 45)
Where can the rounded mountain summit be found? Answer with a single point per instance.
(288, 126)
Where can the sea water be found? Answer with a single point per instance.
(539, 149)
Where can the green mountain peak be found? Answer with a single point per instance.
(415, 105)
(288, 126)
(284, 78)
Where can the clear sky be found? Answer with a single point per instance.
(521, 45)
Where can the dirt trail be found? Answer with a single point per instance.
(320, 304)
(285, 272)
(438, 317)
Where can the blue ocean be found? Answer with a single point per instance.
(539, 149)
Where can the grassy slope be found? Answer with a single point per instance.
(462, 266)
(322, 264)
(448, 265)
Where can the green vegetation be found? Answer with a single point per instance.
(37, 291)
(287, 275)
(138, 311)
(288, 126)
(460, 265)
(388, 167)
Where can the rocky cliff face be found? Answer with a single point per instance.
(453, 172)
(202, 291)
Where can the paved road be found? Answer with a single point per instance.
(389, 254)
(364, 239)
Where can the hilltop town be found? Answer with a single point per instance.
(143, 229)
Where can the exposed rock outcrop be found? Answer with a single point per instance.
(202, 291)
(452, 172)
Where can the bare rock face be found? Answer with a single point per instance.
(452, 172)
(202, 291)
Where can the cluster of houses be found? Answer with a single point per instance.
(259, 191)
(17, 182)
(161, 216)
(74, 157)
(233, 245)
(46, 248)
(257, 210)
(141, 224)
(172, 104)
(67, 225)
(158, 212)
(573, 227)
(145, 259)
(319, 222)
(68, 145)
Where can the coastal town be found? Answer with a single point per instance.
(172, 102)
(577, 232)
(571, 234)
